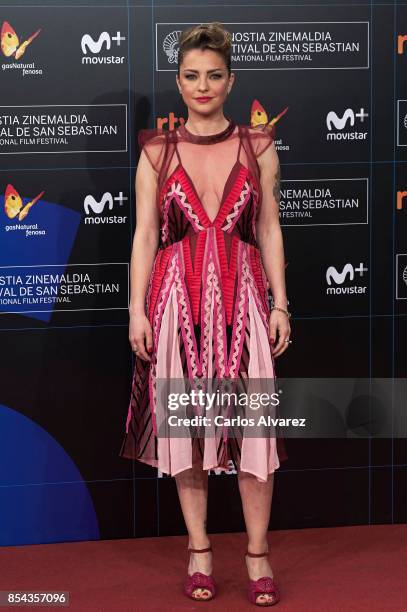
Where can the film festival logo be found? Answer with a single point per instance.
(338, 126)
(171, 46)
(13, 49)
(339, 281)
(95, 209)
(18, 208)
(275, 45)
(98, 51)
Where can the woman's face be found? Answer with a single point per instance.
(204, 81)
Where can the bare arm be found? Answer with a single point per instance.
(145, 244)
(270, 241)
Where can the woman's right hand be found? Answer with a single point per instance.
(140, 335)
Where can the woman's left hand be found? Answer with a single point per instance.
(280, 323)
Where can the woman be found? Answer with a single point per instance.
(203, 260)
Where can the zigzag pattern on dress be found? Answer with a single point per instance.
(186, 325)
(206, 312)
(220, 327)
(256, 196)
(240, 309)
(243, 197)
(256, 295)
(164, 226)
(176, 192)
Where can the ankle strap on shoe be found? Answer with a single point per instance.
(200, 550)
(249, 554)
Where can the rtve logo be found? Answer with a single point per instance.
(94, 50)
(337, 125)
(400, 204)
(335, 277)
(401, 43)
(170, 122)
(91, 205)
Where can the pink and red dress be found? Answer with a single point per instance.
(207, 298)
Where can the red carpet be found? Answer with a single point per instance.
(345, 568)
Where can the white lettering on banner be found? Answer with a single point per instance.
(43, 119)
(103, 60)
(262, 45)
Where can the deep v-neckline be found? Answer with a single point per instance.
(189, 184)
(225, 195)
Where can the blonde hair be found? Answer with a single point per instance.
(206, 36)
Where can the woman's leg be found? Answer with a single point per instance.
(256, 502)
(192, 486)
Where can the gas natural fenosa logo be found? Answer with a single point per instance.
(14, 205)
(12, 48)
(10, 42)
(18, 208)
(259, 116)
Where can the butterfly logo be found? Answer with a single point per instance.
(10, 43)
(14, 205)
(258, 115)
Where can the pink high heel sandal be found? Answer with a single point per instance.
(198, 580)
(262, 586)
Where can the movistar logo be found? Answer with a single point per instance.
(95, 46)
(92, 48)
(94, 208)
(335, 121)
(91, 203)
(336, 278)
